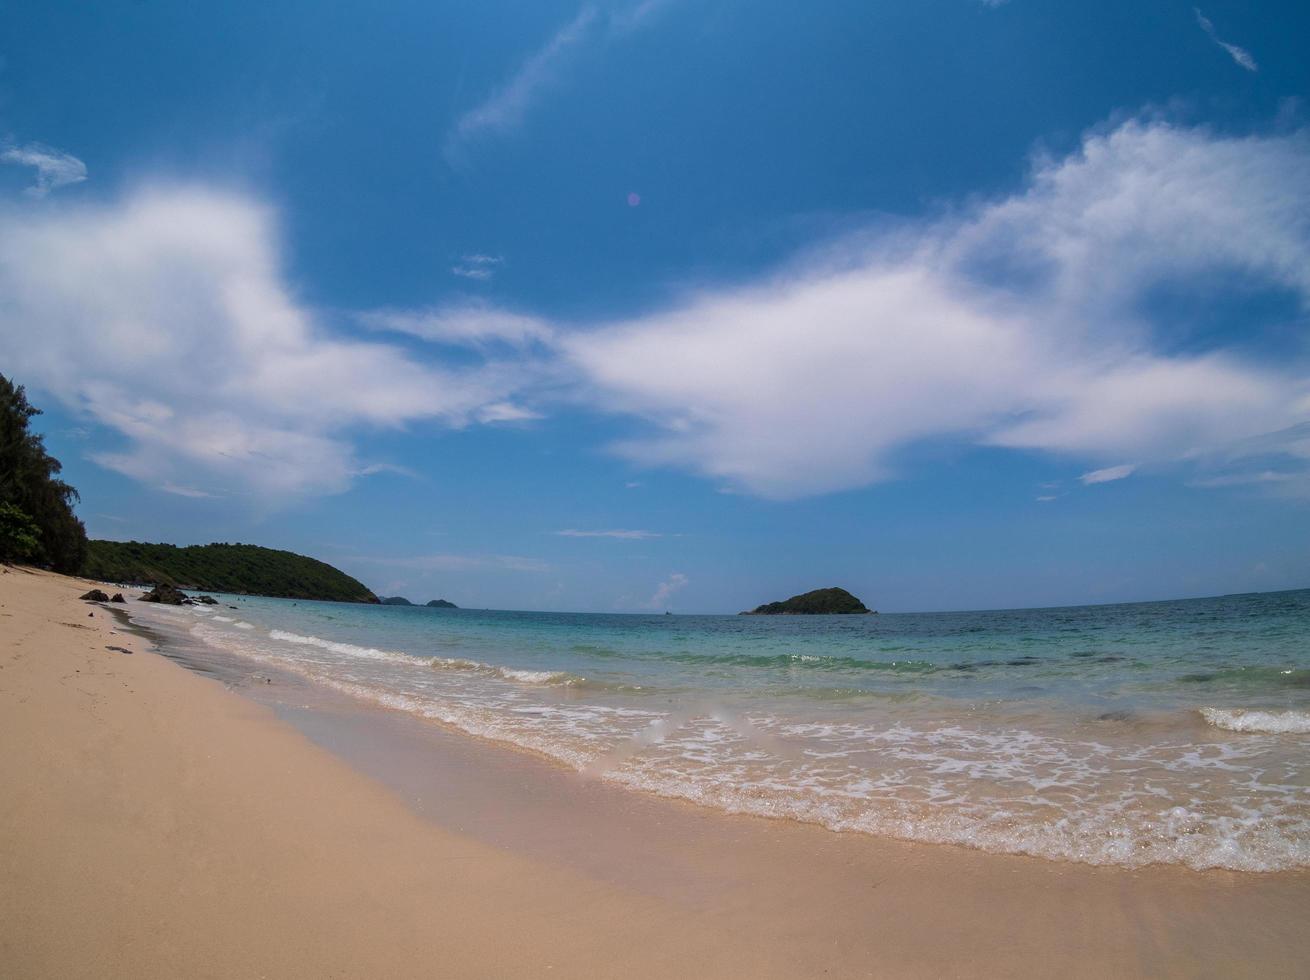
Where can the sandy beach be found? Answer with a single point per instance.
(156, 822)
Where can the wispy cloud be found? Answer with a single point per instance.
(624, 535)
(506, 107)
(182, 491)
(672, 585)
(470, 323)
(54, 168)
(1108, 475)
(507, 412)
(478, 267)
(1239, 55)
(458, 563)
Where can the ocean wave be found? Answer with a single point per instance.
(1254, 676)
(808, 661)
(346, 649)
(1263, 722)
(519, 675)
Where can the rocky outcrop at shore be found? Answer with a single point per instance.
(95, 595)
(166, 594)
(820, 602)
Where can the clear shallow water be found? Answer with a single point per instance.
(1128, 734)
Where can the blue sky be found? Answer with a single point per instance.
(662, 304)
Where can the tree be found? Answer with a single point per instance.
(20, 539)
(29, 484)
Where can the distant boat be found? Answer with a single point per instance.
(667, 613)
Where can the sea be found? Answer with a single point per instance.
(1143, 733)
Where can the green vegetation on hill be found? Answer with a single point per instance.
(37, 523)
(816, 603)
(240, 568)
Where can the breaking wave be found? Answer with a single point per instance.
(1264, 722)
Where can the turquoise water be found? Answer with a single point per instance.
(1127, 734)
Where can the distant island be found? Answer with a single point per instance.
(395, 600)
(245, 569)
(442, 604)
(820, 602)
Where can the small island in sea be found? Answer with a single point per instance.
(441, 604)
(820, 602)
(395, 600)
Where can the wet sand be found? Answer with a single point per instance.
(156, 821)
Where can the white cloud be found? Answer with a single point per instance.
(621, 534)
(1018, 323)
(1108, 475)
(54, 168)
(468, 323)
(672, 585)
(165, 317)
(1239, 55)
(506, 107)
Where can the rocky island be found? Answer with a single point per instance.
(820, 602)
(395, 600)
(441, 604)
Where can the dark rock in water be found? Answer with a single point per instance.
(1115, 716)
(395, 600)
(820, 602)
(166, 594)
(95, 595)
(442, 604)
(118, 597)
(208, 600)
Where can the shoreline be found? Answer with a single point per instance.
(270, 820)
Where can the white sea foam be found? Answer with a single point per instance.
(1265, 722)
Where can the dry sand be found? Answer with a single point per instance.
(155, 824)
